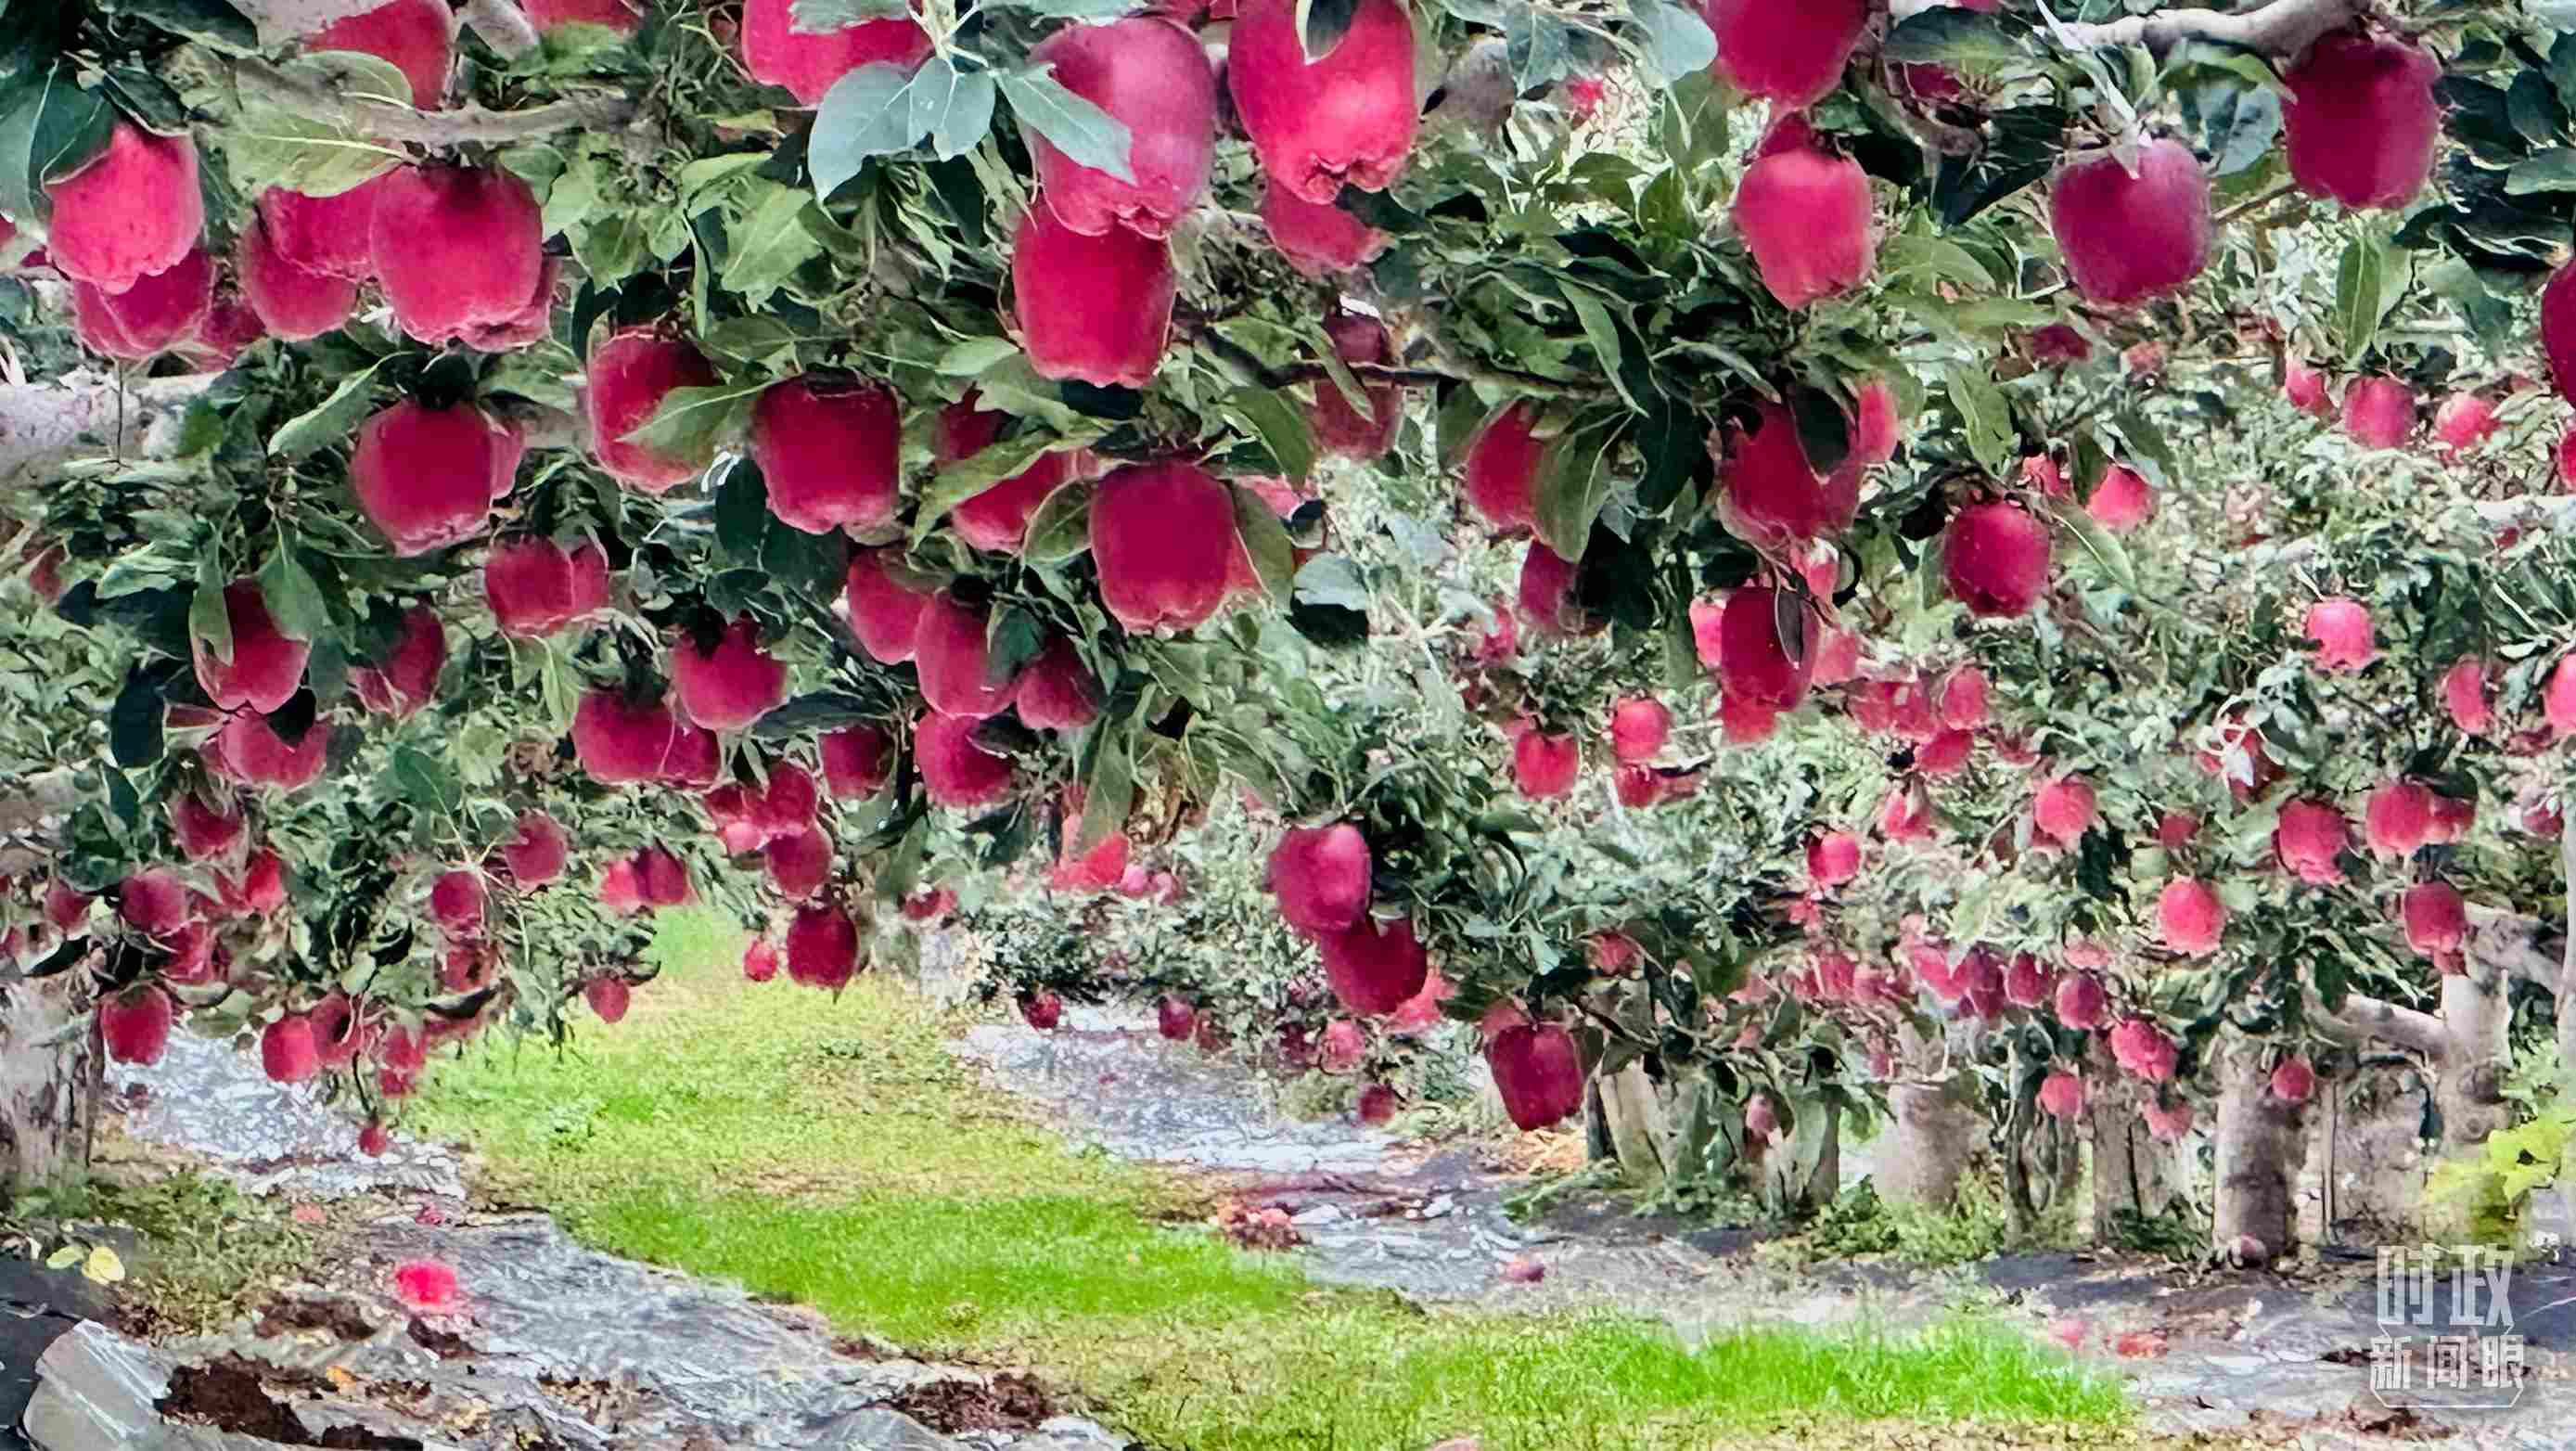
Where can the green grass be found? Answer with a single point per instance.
(836, 1154)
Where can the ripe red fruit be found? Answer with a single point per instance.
(2309, 838)
(1341, 429)
(2057, 345)
(2191, 917)
(1502, 469)
(154, 902)
(792, 803)
(807, 64)
(1349, 117)
(1996, 556)
(418, 37)
(1638, 729)
(621, 887)
(1057, 691)
(328, 235)
(202, 830)
(227, 331)
(134, 1025)
(1770, 494)
(2081, 1001)
(2558, 698)
(616, 15)
(1321, 876)
(249, 750)
(535, 856)
(822, 948)
(408, 677)
(1098, 309)
(1153, 76)
(2341, 627)
(428, 477)
(533, 322)
(1805, 213)
(1538, 1072)
(286, 1050)
(337, 1032)
(291, 302)
(730, 687)
(1041, 1010)
(2361, 120)
(2293, 1080)
(2558, 330)
(857, 762)
(1318, 238)
(952, 650)
(1758, 667)
(2397, 818)
(131, 212)
(799, 863)
(1945, 754)
(620, 740)
(2463, 423)
(151, 317)
(2061, 1095)
(1373, 969)
(267, 667)
(2122, 501)
(608, 997)
(739, 820)
(2026, 983)
(1175, 1019)
(66, 909)
(1832, 859)
(1164, 541)
(831, 457)
(998, 518)
(630, 375)
(259, 890)
(536, 587)
(456, 902)
(2464, 691)
(1786, 51)
(2436, 920)
(2064, 810)
(663, 878)
(456, 249)
(1548, 593)
(1544, 766)
(2131, 238)
(1377, 1105)
(885, 612)
(2379, 412)
(2306, 387)
(2142, 1049)
(955, 770)
(374, 1139)
(760, 960)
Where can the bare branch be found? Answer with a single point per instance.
(2520, 945)
(2282, 28)
(280, 21)
(43, 425)
(2363, 1016)
(503, 26)
(271, 86)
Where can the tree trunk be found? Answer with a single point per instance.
(2475, 1017)
(1937, 1128)
(2260, 1152)
(2133, 1171)
(1633, 1114)
(44, 1102)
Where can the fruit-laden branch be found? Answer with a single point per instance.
(2281, 28)
(2363, 1016)
(44, 425)
(310, 99)
(503, 26)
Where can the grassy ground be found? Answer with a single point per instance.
(836, 1154)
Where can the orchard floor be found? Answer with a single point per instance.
(954, 1225)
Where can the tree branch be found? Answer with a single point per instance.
(503, 26)
(271, 86)
(280, 21)
(43, 425)
(2282, 28)
(2522, 946)
(2363, 1016)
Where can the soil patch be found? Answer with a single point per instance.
(231, 1394)
(1008, 1403)
(289, 1315)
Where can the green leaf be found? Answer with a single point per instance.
(953, 108)
(770, 244)
(903, 865)
(274, 146)
(1086, 134)
(2359, 282)
(1281, 425)
(209, 22)
(1677, 41)
(1321, 24)
(294, 599)
(209, 623)
(1988, 416)
(2102, 544)
(1274, 555)
(2551, 170)
(327, 422)
(867, 113)
(973, 356)
(691, 421)
(1603, 333)
(1824, 430)
(1109, 793)
(1060, 528)
(1573, 485)
(426, 780)
(822, 17)
(1952, 36)
(134, 722)
(1330, 579)
(49, 128)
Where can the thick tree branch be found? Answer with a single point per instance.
(2522, 946)
(280, 21)
(43, 425)
(271, 86)
(2363, 1016)
(503, 26)
(2282, 28)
